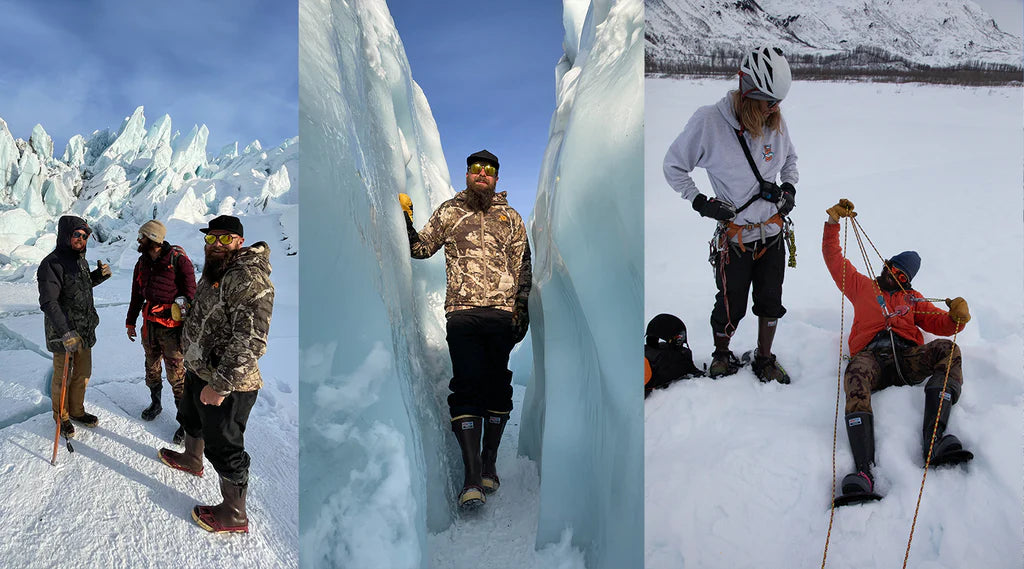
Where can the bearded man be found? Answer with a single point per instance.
(225, 333)
(487, 261)
(70, 319)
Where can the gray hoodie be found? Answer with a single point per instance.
(709, 141)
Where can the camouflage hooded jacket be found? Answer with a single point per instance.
(226, 328)
(65, 289)
(487, 254)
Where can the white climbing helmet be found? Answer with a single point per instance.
(764, 74)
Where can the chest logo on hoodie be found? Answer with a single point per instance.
(767, 153)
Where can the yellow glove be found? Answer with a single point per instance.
(958, 310)
(842, 209)
(406, 204)
(72, 341)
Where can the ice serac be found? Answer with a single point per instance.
(120, 181)
(373, 437)
(41, 144)
(583, 414)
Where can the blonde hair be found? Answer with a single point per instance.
(748, 111)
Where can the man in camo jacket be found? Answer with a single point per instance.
(487, 260)
(225, 333)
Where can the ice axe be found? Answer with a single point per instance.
(63, 393)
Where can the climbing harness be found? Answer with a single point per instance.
(858, 231)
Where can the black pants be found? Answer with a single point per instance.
(222, 427)
(741, 271)
(479, 342)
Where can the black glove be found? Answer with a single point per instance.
(713, 208)
(788, 199)
(414, 236)
(520, 320)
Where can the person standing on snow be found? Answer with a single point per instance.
(487, 261)
(163, 279)
(749, 206)
(225, 334)
(887, 348)
(70, 318)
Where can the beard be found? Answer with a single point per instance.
(215, 265)
(479, 199)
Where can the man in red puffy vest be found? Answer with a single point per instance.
(163, 284)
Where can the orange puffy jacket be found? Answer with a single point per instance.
(907, 315)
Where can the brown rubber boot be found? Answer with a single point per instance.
(190, 461)
(494, 426)
(765, 367)
(228, 516)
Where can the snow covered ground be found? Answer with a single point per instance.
(113, 503)
(739, 474)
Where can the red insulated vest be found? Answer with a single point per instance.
(156, 283)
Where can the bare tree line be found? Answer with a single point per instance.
(860, 64)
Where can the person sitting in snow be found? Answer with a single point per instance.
(70, 318)
(162, 283)
(887, 348)
(667, 356)
(487, 261)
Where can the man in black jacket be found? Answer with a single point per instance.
(70, 318)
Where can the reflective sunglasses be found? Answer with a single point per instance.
(79, 234)
(225, 238)
(487, 168)
(899, 275)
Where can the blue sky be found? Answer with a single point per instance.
(488, 71)
(76, 66)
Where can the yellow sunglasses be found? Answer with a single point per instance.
(225, 239)
(487, 168)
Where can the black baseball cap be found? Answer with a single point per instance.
(226, 223)
(482, 156)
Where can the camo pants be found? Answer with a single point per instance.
(871, 370)
(163, 343)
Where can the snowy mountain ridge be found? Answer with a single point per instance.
(941, 33)
(118, 180)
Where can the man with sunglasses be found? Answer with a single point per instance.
(70, 318)
(888, 348)
(224, 335)
(487, 261)
(162, 284)
(743, 144)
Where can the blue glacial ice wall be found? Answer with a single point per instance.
(375, 466)
(583, 414)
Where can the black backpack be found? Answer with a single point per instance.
(667, 353)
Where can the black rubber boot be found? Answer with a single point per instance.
(945, 445)
(467, 429)
(155, 407)
(723, 361)
(494, 426)
(179, 435)
(860, 431)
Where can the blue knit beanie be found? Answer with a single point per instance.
(908, 261)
